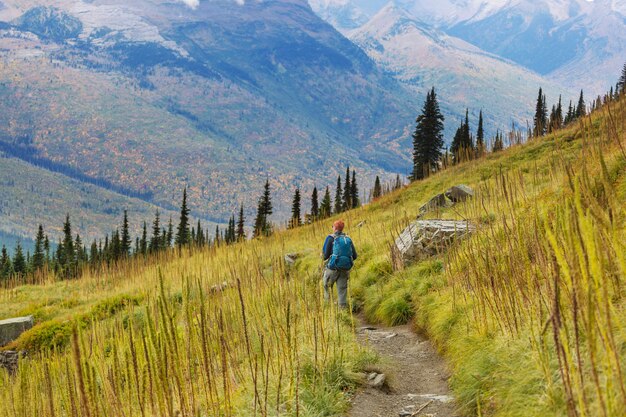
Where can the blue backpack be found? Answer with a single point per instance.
(342, 254)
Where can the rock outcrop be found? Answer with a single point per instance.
(11, 329)
(425, 238)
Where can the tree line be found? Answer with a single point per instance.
(69, 257)
(430, 156)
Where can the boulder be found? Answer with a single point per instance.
(9, 360)
(459, 193)
(11, 329)
(425, 238)
(438, 201)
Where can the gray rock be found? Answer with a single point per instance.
(11, 329)
(426, 238)
(438, 201)
(459, 193)
(378, 381)
(9, 360)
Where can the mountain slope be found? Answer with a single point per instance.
(151, 96)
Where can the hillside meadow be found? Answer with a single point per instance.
(528, 312)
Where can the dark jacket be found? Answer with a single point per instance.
(327, 250)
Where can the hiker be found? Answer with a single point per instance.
(339, 255)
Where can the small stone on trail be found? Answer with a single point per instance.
(366, 328)
(377, 381)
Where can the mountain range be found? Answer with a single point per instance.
(575, 43)
(145, 98)
(121, 104)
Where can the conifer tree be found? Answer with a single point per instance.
(155, 240)
(143, 242)
(326, 206)
(200, 240)
(241, 222)
(398, 183)
(480, 135)
(68, 254)
(232, 230)
(262, 226)
(39, 256)
(295, 220)
(315, 206)
(94, 256)
(46, 248)
(125, 238)
(581, 109)
(541, 116)
(354, 192)
(621, 84)
(19, 262)
(378, 191)
(183, 232)
(559, 115)
(218, 237)
(570, 114)
(6, 266)
(347, 192)
(81, 255)
(498, 144)
(427, 138)
(170, 235)
(338, 197)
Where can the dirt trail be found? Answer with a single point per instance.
(416, 376)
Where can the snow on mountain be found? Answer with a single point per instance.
(421, 56)
(578, 43)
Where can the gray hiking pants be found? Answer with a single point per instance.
(341, 278)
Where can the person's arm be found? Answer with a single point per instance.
(354, 255)
(327, 250)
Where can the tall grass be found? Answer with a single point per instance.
(263, 344)
(553, 269)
